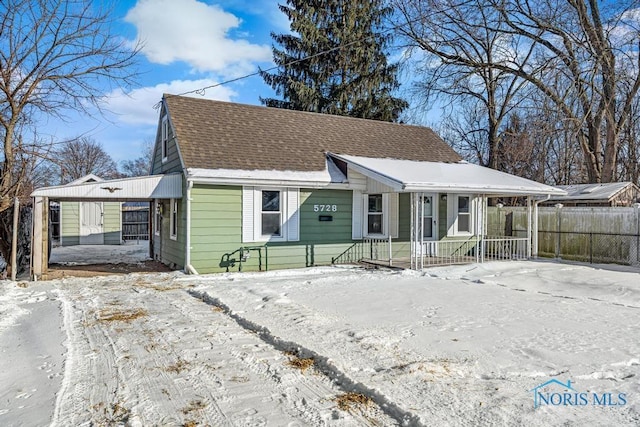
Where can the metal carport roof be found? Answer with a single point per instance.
(137, 188)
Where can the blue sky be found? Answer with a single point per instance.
(187, 44)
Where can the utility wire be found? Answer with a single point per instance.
(202, 90)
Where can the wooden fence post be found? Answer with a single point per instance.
(558, 229)
(14, 239)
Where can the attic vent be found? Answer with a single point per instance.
(589, 190)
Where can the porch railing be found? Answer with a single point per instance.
(445, 252)
(502, 248)
(371, 249)
(418, 255)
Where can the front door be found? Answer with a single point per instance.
(91, 231)
(430, 224)
(429, 217)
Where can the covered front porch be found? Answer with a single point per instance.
(440, 209)
(425, 248)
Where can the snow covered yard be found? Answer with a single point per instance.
(462, 345)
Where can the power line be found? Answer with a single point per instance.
(202, 90)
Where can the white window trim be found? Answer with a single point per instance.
(360, 216)
(157, 215)
(259, 237)
(452, 207)
(173, 219)
(252, 215)
(164, 137)
(384, 215)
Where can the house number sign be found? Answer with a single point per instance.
(325, 208)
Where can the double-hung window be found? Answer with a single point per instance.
(173, 234)
(164, 135)
(375, 214)
(157, 218)
(271, 213)
(461, 215)
(464, 214)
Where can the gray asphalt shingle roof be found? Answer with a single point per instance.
(224, 135)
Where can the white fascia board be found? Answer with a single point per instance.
(314, 179)
(268, 182)
(136, 188)
(488, 190)
(383, 179)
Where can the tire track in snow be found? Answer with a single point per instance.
(301, 397)
(179, 363)
(343, 381)
(88, 378)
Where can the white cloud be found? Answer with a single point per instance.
(136, 107)
(195, 33)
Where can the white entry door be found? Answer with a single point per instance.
(91, 230)
(430, 224)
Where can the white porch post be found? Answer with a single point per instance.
(421, 229)
(535, 230)
(529, 226)
(411, 233)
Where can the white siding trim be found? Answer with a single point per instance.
(357, 215)
(164, 138)
(174, 219)
(452, 214)
(252, 215)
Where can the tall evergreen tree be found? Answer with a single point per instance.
(334, 60)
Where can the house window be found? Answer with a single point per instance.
(158, 218)
(271, 216)
(164, 135)
(464, 214)
(375, 214)
(174, 219)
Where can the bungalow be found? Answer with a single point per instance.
(264, 188)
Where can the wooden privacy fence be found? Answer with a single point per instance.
(588, 234)
(135, 224)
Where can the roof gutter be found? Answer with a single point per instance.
(269, 182)
(534, 243)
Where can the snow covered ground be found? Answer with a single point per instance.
(131, 252)
(461, 345)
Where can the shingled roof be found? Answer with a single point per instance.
(224, 135)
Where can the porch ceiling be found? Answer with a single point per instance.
(137, 188)
(414, 176)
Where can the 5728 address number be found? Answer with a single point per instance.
(325, 208)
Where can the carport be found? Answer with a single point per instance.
(145, 188)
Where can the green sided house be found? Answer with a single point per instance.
(242, 187)
(90, 222)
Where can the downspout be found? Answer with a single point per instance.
(188, 268)
(536, 225)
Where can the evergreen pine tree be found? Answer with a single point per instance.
(352, 78)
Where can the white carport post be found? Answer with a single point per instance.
(40, 236)
(534, 237)
(529, 226)
(417, 235)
